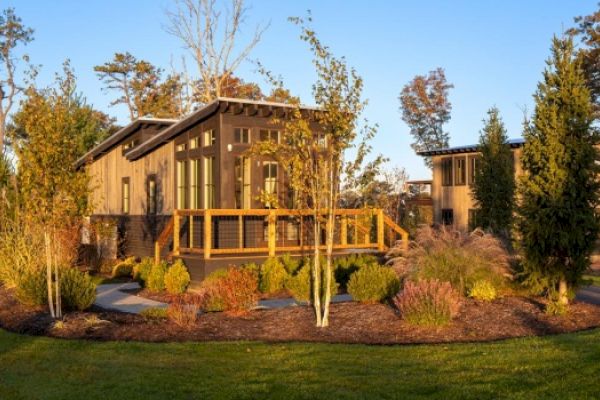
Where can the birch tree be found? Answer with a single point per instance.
(12, 34)
(210, 34)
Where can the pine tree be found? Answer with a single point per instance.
(494, 186)
(558, 222)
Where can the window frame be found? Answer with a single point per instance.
(195, 183)
(242, 178)
(269, 135)
(447, 175)
(125, 195)
(270, 181)
(209, 137)
(238, 138)
(460, 174)
(181, 184)
(445, 219)
(472, 168)
(151, 195)
(209, 191)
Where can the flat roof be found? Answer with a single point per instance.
(513, 143)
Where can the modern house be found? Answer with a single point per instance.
(453, 174)
(188, 188)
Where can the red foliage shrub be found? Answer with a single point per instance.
(428, 302)
(184, 310)
(235, 292)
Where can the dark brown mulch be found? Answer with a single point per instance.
(350, 323)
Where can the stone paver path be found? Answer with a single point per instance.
(589, 294)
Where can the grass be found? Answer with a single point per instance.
(591, 280)
(565, 366)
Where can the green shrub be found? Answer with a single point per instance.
(483, 290)
(459, 258)
(31, 288)
(154, 313)
(124, 268)
(272, 276)
(373, 283)
(77, 290)
(300, 285)
(156, 278)
(428, 303)
(235, 292)
(177, 278)
(141, 270)
(344, 267)
(291, 264)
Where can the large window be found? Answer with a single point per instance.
(271, 135)
(181, 185)
(242, 182)
(270, 177)
(209, 182)
(125, 196)
(447, 171)
(152, 195)
(447, 216)
(241, 135)
(194, 143)
(194, 184)
(460, 168)
(209, 137)
(473, 165)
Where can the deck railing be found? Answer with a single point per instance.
(233, 232)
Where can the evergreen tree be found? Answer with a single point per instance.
(494, 186)
(558, 222)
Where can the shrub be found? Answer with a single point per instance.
(483, 290)
(344, 267)
(291, 264)
(235, 292)
(184, 311)
(156, 278)
(77, 290)
(154, 313)
(124, 268)
(141, 270)
(272, 276)
(31, 288)
(177, 278)
(458, 258)
(428, 302)
(373, 283)
(300, 285)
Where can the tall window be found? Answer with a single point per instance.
(460, 164)
(473, 160)
(194, 143)
(270, 177)
(447, 171)
(271, 135)
(242, 182)
(181, 185)
(209, 137)
(209, 182)
(180, 147)
(194, 184)
(151, 194)
(447, 216)
(241, 135)
(125, 195)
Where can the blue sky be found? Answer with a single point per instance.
(493, 51)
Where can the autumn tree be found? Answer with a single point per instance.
(558, 192)
(12, 34)
(426, 108)
(233, 87)
(282, 95)
(140, 87)
(588, 32)
(494, 186)
(53, 193)
(211, 34)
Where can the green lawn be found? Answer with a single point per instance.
(566, 366)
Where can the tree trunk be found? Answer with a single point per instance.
(49, 273)
(2, 133)
(317, 270)
(562, 292)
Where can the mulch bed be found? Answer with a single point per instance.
(350, 323)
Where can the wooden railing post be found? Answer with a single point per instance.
(156, 252)
(344, 229)
(405, 242)
(272, 232)
(176, 228)
(367, 220)
(207, 233)
(380, 231)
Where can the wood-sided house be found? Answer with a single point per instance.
(453, 174)
(195, 174)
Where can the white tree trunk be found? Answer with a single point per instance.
(48, 250)
(562, 292)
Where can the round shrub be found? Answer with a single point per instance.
(373, 283)
(31, 288)
(291, 264)
(141, 270)
(483, 290)
(177, 278)
(235, 292)
(124, 268)
(77, 290)
(300, 285)
(428, 302)
(156, 278)
(344, 267)
(272, 276)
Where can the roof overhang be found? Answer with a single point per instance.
(474, 148)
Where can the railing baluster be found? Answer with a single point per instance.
(207, 233)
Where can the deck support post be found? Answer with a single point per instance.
(380, 231)
(207, 233)
(156, 252)
(272, 232)
(176, 231)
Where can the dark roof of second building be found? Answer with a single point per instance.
(513, 143)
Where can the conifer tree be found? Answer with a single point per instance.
(494, 185)
(558, 223)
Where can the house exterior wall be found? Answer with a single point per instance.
(455, 197)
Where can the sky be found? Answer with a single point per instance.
(493, 52)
